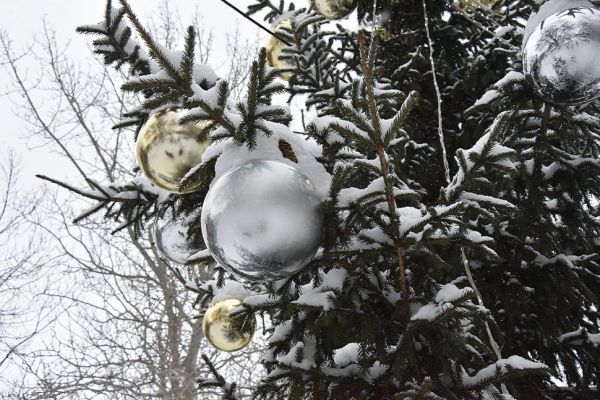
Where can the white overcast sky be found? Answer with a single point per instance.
(22, 19)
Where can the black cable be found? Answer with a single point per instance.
(255, 23)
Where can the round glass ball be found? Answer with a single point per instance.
(275, 47)
(262, 220)
(334, 9)
(226, 330)
(175, 236)
(167, 150)
(560, 57)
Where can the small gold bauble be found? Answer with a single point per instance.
(334, 9)
(167, 150)
(227, 331)
(381, 32)
(473, 4)
(275, 47)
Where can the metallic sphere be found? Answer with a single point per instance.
(262, 220)
(175, 237)
(560, 57)
(225, 330)
(334, 9)
(167, 150)
(275, 48)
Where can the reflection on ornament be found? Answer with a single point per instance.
(262, 220)
(275, 48)
(560, 57)
(167, 150)
(549, 8)
(226, 330)
(175, 237)
(334, 9)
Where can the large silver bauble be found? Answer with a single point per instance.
(549, 8)
(560, 57)
(334, 9)
(275, 49)
(175, 236)
(226, 330)
(262, 220)
(167, 150)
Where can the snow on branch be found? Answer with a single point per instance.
(500, 370)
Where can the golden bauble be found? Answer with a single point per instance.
(275, 47)
(167, 150)
(334, 9)
(227, 331)
(473, 4)
(381, 32)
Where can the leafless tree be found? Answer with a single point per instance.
(124, 325)
(17, 258)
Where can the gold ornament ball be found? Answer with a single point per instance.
(334, 9)
(227, 331)
(473, 4)
(167, 150)
(381, 32)
(275, 47)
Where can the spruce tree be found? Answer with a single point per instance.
(460, 251)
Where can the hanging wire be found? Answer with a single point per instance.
(375, 15)
(255, 23)
(463, 256)
(438, 95)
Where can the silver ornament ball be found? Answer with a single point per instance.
(560, 57)
(262, 220)
(175, 236)
(334, 9)
(167, 150)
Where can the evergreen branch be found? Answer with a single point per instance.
(478, 158)
(140, 85)
(112, 47)
(351, 135)
(203, 173)
(368, 74)
(401, 117)
(131, 208)
(83, 193)
(357, 118)
(254, 22)
(218, 381)
(154, 48)
(254, 111)
(90, 212)
(187, 61)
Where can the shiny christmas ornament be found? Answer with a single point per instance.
(226, 330)
(560, 57)
(474, 4)
(275, 48)
(175, 236)
(381, 32)
(167, 150)
(262, 220)
(334, 9)
(549, 8)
